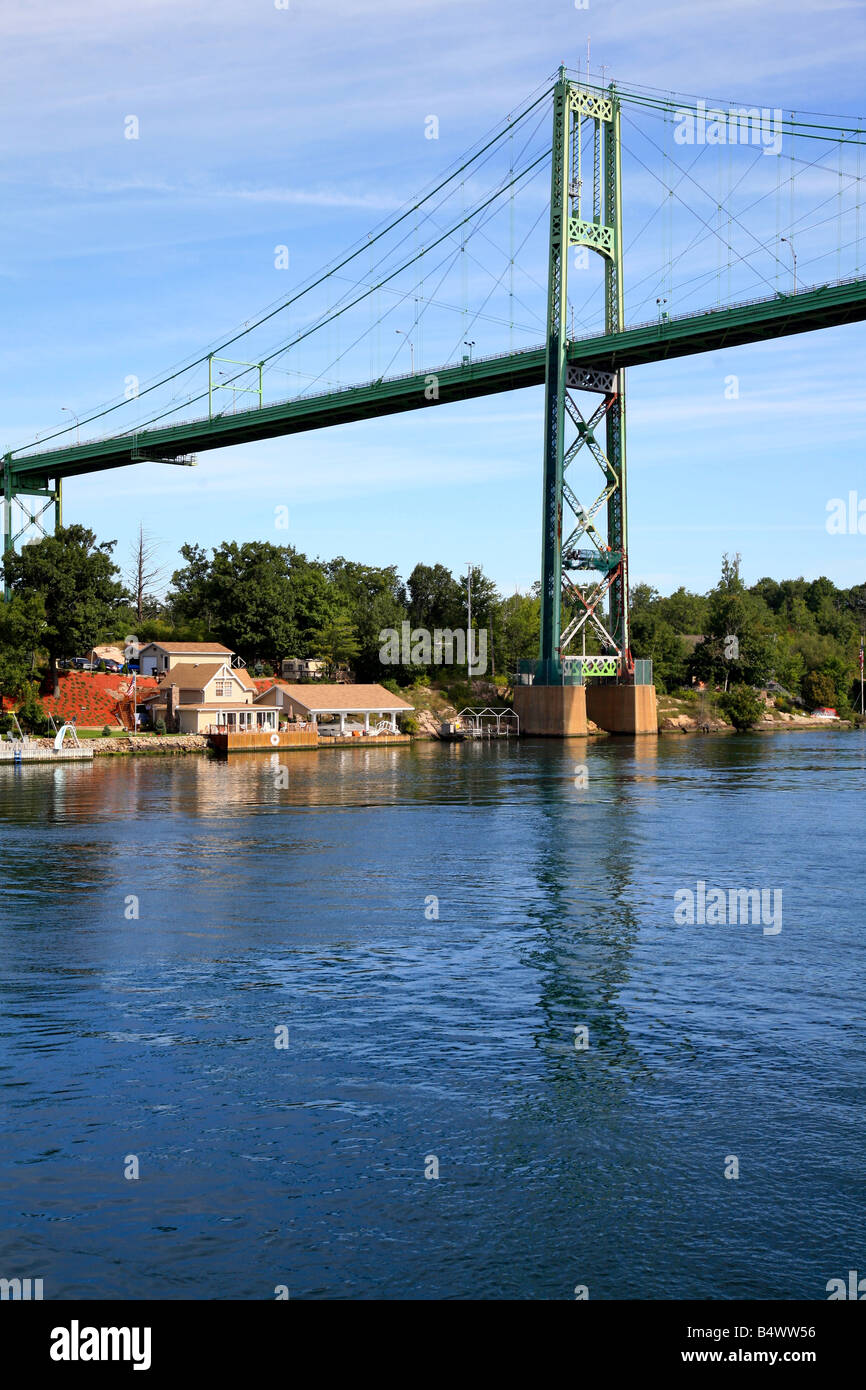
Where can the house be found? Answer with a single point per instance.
(112, 656)
(155, 658)
(206, 697)
(331, 704)
(296, 666)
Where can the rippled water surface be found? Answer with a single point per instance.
(411, 1035)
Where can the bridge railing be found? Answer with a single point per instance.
(576, 670)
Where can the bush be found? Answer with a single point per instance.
(159, 726)
(31, 712)
(106, 732)
(409, 724)
(460, 695)
(743, 706)
(819, 689)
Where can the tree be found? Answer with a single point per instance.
(435, 598)
(143, 572)
(819, 688)
(653, 637)
(375, 600)
(516, 631)
(30, 710)
(337, 641)
(22, 623)
(743, 706)
(243, 593)
(76, 580)
(736, 648)
(190, 598)
(684, 612)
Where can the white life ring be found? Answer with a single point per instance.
(275, 738)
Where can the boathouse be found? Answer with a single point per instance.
(338, 709)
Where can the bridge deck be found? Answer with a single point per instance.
(779, 316)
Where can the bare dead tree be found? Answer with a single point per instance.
(143, 573)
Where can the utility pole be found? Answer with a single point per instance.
(469, 628)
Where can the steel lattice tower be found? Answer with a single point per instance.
(573, 545)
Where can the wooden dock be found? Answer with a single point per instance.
(266, 741)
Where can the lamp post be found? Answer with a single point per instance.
(794, 254)
(470, 347)
(77, 423)
(405, 335)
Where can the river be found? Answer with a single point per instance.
(337, 1026)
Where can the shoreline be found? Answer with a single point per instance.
(177, 745)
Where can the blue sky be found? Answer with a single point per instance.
(304, 127)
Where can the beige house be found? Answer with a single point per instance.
(155, 658)
(295, 666)
(330, 706)
(209, 697)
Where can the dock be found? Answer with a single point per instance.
(265, 741)
(14, 757)
(20, 748)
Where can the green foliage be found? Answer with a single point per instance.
(460, 694)
(31, 711)
(653, 637)
(819, 688)
(373, 600)
(435, 598)
(336, 642)
(516, 631)
(737, 647)
(409, 724)
(268, 602)
(159, 725)
(76, 580)
(22, 623)
(743, 706)
(106, 731)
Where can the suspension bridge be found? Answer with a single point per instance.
(599, 227)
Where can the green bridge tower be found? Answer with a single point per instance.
(584, 545)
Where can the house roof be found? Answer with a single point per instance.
(194, 648)
(192, 674)
(342, 698)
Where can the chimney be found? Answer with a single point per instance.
(171, 701)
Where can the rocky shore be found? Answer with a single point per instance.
(139, 743)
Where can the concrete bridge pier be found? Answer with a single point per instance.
(561, 711)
